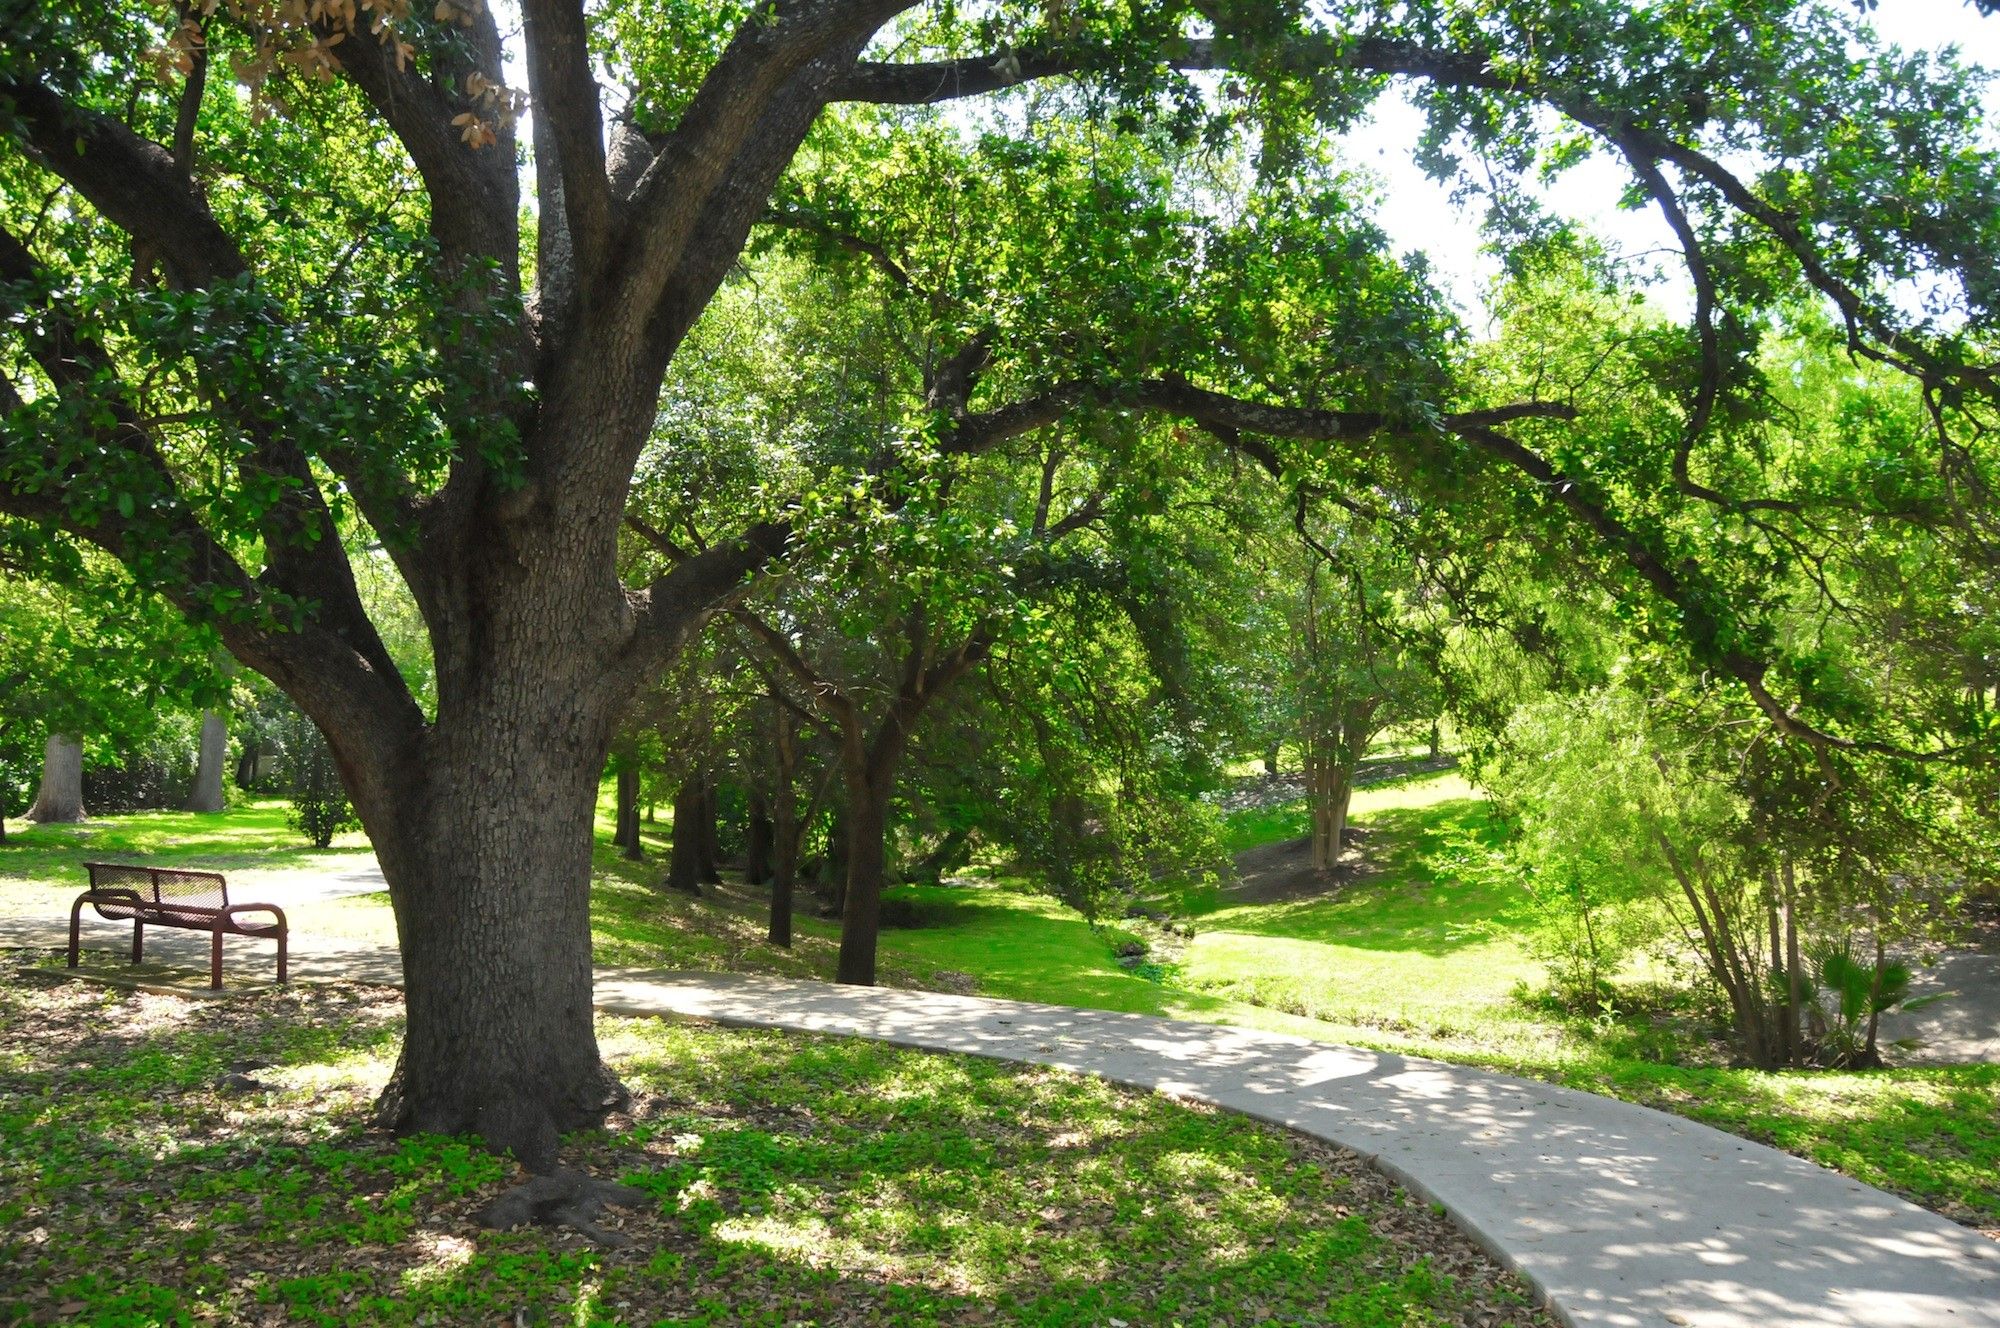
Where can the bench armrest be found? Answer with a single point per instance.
(230, 911)
(108, 893)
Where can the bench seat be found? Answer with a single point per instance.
(173, 897)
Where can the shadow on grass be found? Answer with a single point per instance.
(1430, 884)
(793, 1179)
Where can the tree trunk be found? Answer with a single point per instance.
(60, 798)
(950, 851)
(757, 850)
(1329, 790)
(711, 834)
(867, 824)
(784, 861)
(1437, 740)
(833, 864)
(684, 865)
(487, 856)
(627, 836)
(207, 793)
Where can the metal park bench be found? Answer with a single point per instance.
(169, 897)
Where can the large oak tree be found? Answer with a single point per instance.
(292, 288)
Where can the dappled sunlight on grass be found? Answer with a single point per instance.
(792, 1179)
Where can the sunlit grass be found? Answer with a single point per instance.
(788, 1179)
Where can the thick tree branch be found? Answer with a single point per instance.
(669, 610)
(715, 170)
(569, 123)
(475, 196)
(134, 182)
(334, 663)
(930, 82)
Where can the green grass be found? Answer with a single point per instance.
(249, 841)
(790, 1180)
(1421, 956)
(1427, 943)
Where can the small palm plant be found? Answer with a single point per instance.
(1847, 998)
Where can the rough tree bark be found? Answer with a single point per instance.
(206, 796)
(869, 785)
(785, 828)
(60, 797)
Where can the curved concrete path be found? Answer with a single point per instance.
(1620, 1216)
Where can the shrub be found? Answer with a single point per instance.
(320, 809)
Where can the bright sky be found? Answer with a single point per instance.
(1418, 213)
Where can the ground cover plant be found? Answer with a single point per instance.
(1422, 953)
(168, 1160)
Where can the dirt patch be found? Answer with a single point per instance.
(1280, 872)
(1277, 790)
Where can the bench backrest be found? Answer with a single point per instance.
(163, 885)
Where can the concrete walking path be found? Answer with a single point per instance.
(1620, 1216)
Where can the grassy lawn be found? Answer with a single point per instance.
(1423, 954)
(790, 1180)
(1419, 956)
(250, 842)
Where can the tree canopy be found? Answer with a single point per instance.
(276, 273)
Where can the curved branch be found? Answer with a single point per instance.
(134, 182)
(926, 83)
(475, 196)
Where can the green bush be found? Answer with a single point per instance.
(320, 809)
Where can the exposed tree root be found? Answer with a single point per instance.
(563, 1198)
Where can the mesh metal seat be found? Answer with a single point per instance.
(172, 897)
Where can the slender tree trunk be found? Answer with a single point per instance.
(867, 823)
(1271, 760)
(684, 864)
(757, 847)
(1870, 1056)
(60, 798)
(945, 857)
(833, 866)
(785, 828)
(627, 836)
(1338, 799)
(784, 862)
(207, 793)
(1329, 790)
(711, 834)
(1437, 740)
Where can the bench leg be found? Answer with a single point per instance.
(138, 940)
(215, 961)
(281, 958)
(75, 923)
